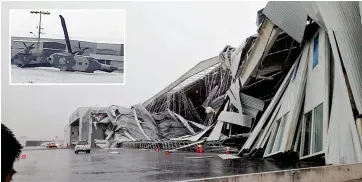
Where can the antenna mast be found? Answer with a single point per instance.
(39, 27)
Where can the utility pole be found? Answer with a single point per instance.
(39, 27)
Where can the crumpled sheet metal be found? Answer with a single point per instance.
(183, 121)
(149, 125)
(130, 126)
(312, 10)
(225, 57)
(168, 127)
(290, 16)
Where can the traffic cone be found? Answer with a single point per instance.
(201, 149)
(227, 150)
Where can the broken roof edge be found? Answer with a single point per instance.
(201, 66)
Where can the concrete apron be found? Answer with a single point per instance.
(337, 173)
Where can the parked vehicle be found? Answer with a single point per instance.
(82, 146)
(52, 145)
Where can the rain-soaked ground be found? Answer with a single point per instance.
(62, 165)
(54, 75)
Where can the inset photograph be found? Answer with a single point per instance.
(67, 46)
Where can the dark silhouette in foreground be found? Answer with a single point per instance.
(10, 151)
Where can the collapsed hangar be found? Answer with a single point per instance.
(280, 93)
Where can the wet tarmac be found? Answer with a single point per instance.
(62, 165)
(44, 75)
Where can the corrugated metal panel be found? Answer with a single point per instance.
(298, 93)
(343, 144)
(267, 129)
(84, 124)
(360, 10)
(316, 77)
(313, 12)
(250, 111)
(286, 101)
(139, 125)
(184, 122)
(262, 45)
(216, 132)
(203, 65)
(269, 110)
(289, 16)
(235, 118)
(359, 128)
(342, 18)
(252, 101)
(199, 135)
(203, 127)
(247, 120)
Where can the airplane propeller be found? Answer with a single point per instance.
(28, 48)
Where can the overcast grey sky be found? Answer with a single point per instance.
(88, 25)
(163, 41)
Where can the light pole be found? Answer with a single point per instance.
(39, 27)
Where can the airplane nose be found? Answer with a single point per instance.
(50, 59)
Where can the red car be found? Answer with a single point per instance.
(51, 145)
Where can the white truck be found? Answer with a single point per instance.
(82, 146)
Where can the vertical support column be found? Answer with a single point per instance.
(90, 132)
(80, 129)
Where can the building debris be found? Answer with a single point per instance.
(294, 88)
(228, 156)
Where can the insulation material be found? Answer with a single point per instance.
(343, 143)
(149, 125)
(269, 110)
(168, 127)
(341, 21)
(290, 16)
(216, 132)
